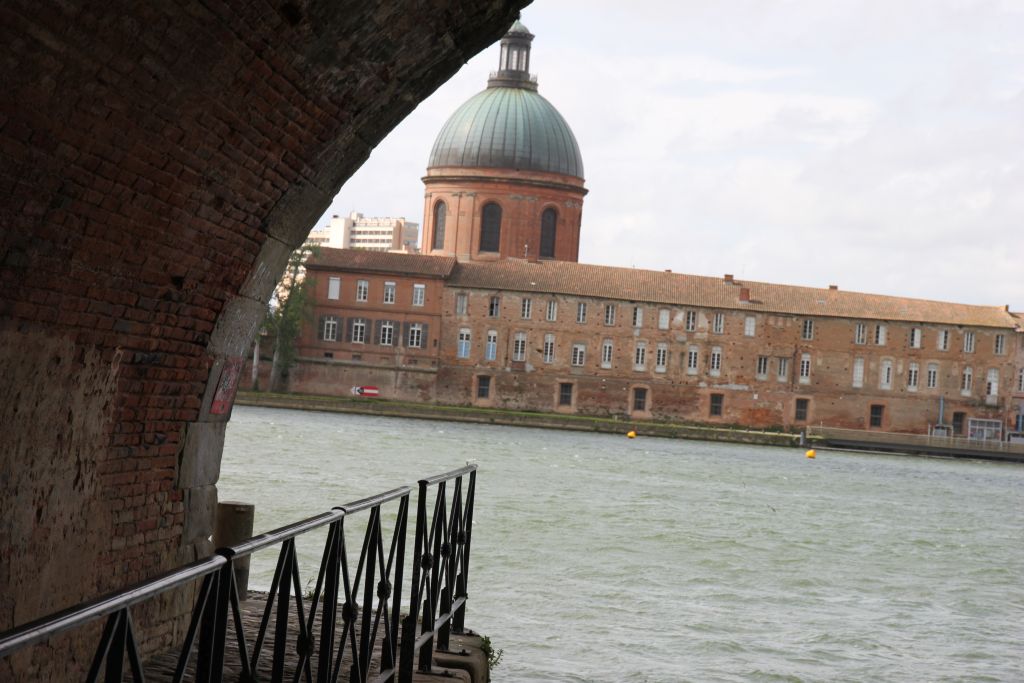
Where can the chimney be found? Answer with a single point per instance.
(668, 270)
(728, 278)
(834, 288)
(745, 295)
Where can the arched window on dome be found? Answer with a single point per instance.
(548, 221)
(440, 214)
(490, 227)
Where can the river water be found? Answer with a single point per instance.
(599, 558)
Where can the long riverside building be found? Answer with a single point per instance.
(596, 340)
(499, 313)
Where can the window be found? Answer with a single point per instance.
(440, 214)
(808, 331)
(750, 326)
(491, 350)
(932, 378)
(966, 381)
(483, 386)
(1020, 380)
(639, 399)
(490, 228)
(915, 337)
(783, 374)
(552, 310)
(717, 402)
(716, 362)
(664, 316)
(1000, 344)
(389, 292)
(461, 304)
(880, 331)
(877, 412)
(494, 307)
(691, 321)
(362, 290)
(640, 356)
(579, 354)
(387, 333)
(334, 288)
(638, 316)
(329, 328)
(527, 308)
(581, 312)
(885, 375)
(800, 412)
(661, 358)
(565, 394)
(419, 294)
(762, 367)
(464, 338)
(359, 331)
(942, 341)
(992, 383)
(860, 334)
(718, 327)
(805, 368)
(519, 347)
(692, 360)
(609, 314)
(858, 373)
(548, 221)
(416, 336)
(606, 353)
(549, 348)
(968, 342)
(912, 373)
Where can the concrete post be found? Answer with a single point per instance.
(234, 525)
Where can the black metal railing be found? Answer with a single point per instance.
(437, 592)
(441, 573)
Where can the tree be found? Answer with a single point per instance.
(287, 309)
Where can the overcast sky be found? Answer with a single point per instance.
(878, 146)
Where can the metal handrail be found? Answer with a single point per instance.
(216, 610)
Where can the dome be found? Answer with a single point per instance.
(512, 128)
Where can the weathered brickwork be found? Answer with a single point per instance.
(735, 361)
(159, 161)
(523, 197)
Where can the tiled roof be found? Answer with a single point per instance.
(658, 287)
(382, 262)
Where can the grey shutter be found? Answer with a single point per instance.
(340, 336)
(323, 327)
(348, 329)
(377, 324)
(405, 333)
(424, 338)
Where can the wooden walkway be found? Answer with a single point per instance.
(464, 661)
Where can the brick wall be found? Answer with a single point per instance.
(159, 161)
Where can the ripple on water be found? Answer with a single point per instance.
(596, 559)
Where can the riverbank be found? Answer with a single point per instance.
(581, 423)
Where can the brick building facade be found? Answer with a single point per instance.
(511, 320)
(596, 340)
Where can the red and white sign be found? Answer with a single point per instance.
(369, 392)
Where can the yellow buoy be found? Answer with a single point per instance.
(810, 454)
(631, 434)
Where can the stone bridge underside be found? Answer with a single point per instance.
(158, 161)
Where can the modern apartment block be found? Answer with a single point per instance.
(357, 231)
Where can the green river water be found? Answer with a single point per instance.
(599, 558)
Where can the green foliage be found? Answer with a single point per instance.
(493, 657)
(287, 310)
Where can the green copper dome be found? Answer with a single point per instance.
(508, 128)
(509, 125)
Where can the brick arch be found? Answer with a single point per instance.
(158, 162)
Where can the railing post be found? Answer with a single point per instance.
(466, 537)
